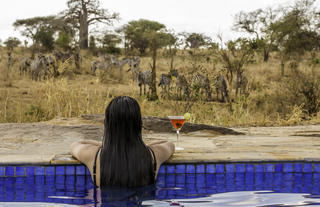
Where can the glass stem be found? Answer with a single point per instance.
(177, 137)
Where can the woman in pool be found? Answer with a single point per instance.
(122, 159)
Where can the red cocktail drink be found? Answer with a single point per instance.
(177, 122)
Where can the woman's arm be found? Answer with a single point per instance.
(157, 142)
(89, 141)
(163, 150)
(84, 151)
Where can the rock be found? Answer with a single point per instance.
(157, 124)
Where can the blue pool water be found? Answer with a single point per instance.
(65, 186)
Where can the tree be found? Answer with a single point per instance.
(63, 41)
(44, 37)
(32, 25)
(196, 40)
(83, 13)
(172, 47)
(294, 32)
(11, 43)
(156, 40)
(135, 34)
(92, 44)
(236, 54)
(109, 43)
(42, 29)
(257, 23)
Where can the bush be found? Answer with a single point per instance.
(35, 113)
(302, 90)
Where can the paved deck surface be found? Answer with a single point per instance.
(49, 142)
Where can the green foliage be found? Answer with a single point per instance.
(294, 31)
(138, 33)
(35, 113)
(92, 44)
(32, 25)
(12, 42)
(44, 37)
(196, 40)
(300, 90)
(237, 54)
(63, 41)
(109, 43)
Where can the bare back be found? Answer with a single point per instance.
(86, 150)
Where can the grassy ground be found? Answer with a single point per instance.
(271, 99)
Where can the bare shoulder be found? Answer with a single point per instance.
(162, 150)
(85, 151)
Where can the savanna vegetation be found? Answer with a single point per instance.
(271, 77)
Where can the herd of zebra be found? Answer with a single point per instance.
(43, 65)
(40, 66)
(199, 83)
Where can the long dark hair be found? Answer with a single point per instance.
(125, 161)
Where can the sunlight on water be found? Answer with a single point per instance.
(243, 199)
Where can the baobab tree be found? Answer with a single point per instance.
(83, 13)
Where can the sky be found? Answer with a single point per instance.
(209, 17)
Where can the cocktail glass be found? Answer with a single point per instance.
(177, 122)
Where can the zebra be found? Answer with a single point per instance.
(51, 62)
(134, 67)
(39, 67)
(182, 85)
(9, 61)
(241, 83)
(144, 78)
(24, 64)
(61, 56)
(165, 80)
(114, 60)
(200, 82)
(120, 64)
(77, 58)
(221, 87)
(96, 64)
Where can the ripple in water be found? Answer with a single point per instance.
(243, 199)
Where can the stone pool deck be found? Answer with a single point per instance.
(48, 143)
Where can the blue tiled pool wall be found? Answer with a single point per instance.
(205, 168)
(57, 183)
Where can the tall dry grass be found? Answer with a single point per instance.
(271, 99)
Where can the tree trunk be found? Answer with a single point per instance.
(282, 67)
(171, 54)
(154, 95)
(265, 55)
(84, 27)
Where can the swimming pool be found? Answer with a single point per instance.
(201, 184)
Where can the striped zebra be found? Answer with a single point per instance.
(241, 83)
(24, 65)
(166, 79)
(120, 64)
(144, 78)
(98, 65)
(182, 85)
(62, 56)
(39, 67)
(9, 61)
(221, 88)
(134, 67)
(200, 83)
(52, 63)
